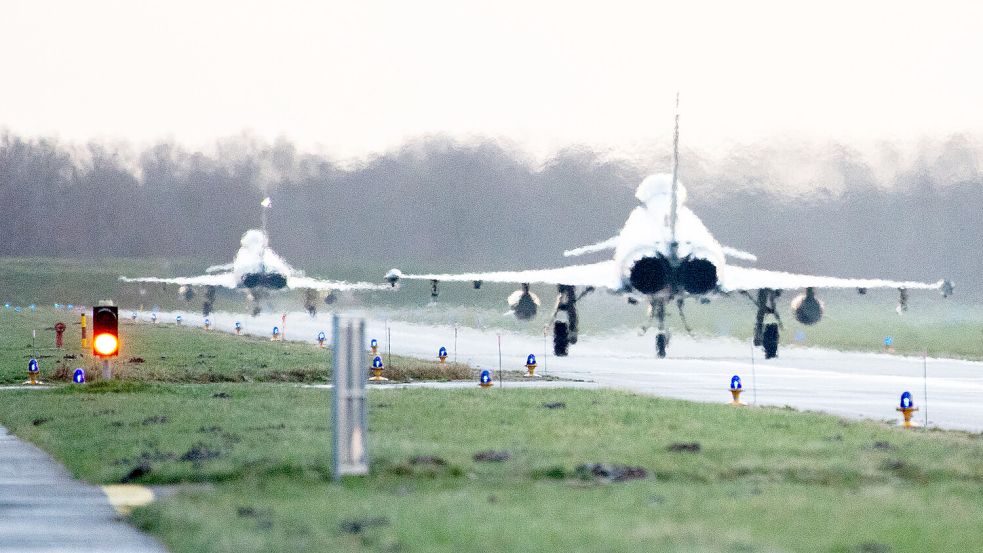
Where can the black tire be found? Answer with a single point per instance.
(770, 340)
(661, 341)
(561, 342)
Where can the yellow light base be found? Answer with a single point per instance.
(736, 393)
(531, 367)
(443, 358)
(377, 375)
(907, 412)
(488, 384)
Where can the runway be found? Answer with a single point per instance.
(854, 385)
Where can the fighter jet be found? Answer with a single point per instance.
(664, 254)
(259, 271)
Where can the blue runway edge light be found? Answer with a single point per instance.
(374, 343)
(79, 376)
(321, 337)
(442, 352)
(377, 362)
(238, 325)
(888, 341)
(486, 376)
(735, 382)
(906, 401)
(531, 360)
(32, 366)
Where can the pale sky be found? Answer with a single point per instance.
(355, 78)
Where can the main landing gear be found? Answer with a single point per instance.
(565, 318)
(766, 335)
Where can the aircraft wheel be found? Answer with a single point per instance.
(770, 340)
(561, 340)
(661, 341)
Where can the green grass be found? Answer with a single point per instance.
(762, 480)
(169, 353)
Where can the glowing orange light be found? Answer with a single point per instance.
(105, 344)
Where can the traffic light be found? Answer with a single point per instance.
(105, 331)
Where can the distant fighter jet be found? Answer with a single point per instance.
(664, 253)
(258, 270)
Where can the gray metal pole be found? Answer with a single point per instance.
(925, 384)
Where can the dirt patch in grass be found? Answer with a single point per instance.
(492, 456)
(200, 452)
(606, 472)
(688, 447)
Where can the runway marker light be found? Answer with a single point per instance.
(442, 354)
(907, 408)
(79, 376)
(238, 327)
(153, 318)
(485, 381)
(377, 370)
(735, 390)
(208, 324)
(321, 338)
(69, 307)
(7, 306)
(889, 344)
(17, 309)
(105, 331)
(133, 315)
(530, 365)
(33, 370)
(178, 320)
(33, 307)
(276, 334)
(374, 344)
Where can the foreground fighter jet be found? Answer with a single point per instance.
(258, 270)
(663, 254)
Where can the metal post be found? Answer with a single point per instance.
(754, 381)
(546, 349)
(350, 450)
(455, 343)
(925, 385)
(500, 382)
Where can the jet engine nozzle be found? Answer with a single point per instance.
(649, 275)
(697, 276)
(807, 308)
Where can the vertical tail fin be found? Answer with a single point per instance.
(674, 205)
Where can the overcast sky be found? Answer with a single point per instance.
(353, 78)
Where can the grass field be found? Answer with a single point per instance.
(169, 353)
(951, 327)
(718, 478)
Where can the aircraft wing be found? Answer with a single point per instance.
(745, 278)
(295, 282)
(603, 274)
(226, 280)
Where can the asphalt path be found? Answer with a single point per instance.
(849, 384)
(43, 509)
